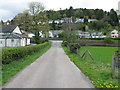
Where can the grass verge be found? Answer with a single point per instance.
(9, 70)
(99, 73)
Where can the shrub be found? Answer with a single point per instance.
(116, 38)
(65, 43)
(39, 41)
(108, 40)
(92, 38)
(12, 54)
(42, 40)
(74, 47)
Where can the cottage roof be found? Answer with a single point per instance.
(8, 28)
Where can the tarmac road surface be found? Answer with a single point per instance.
(52, 70)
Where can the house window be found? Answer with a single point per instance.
(0, 42)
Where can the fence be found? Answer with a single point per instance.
(116, 65)
(84, 54)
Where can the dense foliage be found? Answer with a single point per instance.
(12, 54)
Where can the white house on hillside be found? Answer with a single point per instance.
(115, 34)
(11, 36)
(82, 34)
(98, 35)
(78, 20)
(54, 33)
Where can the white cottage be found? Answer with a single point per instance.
(115, 34)
(54, 33)
(11, 36)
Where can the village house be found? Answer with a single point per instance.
(115, 34)
(88, 34)
(54, 33)
(82, 34)
(78, 20)
(11, 36)
(98, 35)
(56, 21)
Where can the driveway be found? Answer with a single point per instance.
(52, 70)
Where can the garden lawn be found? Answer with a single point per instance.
(99, 69)
(9, 70)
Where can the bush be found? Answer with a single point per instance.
(65, 43)
(108, 40)
(43, 40)
(74, 47)
(116, 38)
(12, 54)
(93, 38)
(39, 41)
(100, 38)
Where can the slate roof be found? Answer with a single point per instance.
(8, 28)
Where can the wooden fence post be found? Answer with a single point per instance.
(113, 67)
(116, 64)
(84, 54)
(90, 55)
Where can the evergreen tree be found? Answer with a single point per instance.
(113, 16)
(70, 12)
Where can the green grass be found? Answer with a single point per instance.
(9, 70)
(100, 54)
(99, 69)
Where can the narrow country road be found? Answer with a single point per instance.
(52, 70)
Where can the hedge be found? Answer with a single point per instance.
(74, 47)
(12, 54)
(100, 38)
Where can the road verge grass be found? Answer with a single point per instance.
(9, 70)
(99, 74)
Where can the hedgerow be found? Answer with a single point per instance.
(12, 54)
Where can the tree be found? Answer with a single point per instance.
(56, 15)
(96, 25)
(64, 15)
(23, 20)
(77, 13)
(113, 16)
(39, 20)
(99, 14)
(70, 12)
(86, 20)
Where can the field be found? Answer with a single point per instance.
(99, 69)
(100, 54)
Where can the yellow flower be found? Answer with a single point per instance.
(92, 81)
(104, 83)
(111, 84)
(107, 86)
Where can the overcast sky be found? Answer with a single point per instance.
(10, 8)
